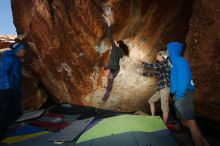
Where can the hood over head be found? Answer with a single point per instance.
(174, 49)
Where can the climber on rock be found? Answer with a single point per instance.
(118, 51)
(162, 71)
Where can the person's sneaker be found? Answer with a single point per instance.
(171, 127)
(102, 102)
(174, 127)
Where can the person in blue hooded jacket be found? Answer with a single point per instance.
(182, 87)
(10, 85)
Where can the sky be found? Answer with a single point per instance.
(6, 21)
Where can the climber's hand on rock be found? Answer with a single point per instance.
(108, 19)
(22, 36)
(108, 11)
(137, 61)
(140, 71)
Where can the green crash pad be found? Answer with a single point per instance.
(121, 124)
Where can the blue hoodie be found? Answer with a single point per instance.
(10, 71)
(180, 73)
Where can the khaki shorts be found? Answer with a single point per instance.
(163, 95)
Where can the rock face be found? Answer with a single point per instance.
(33, 93)
(203, 53)
(68, 45)
(33, 97)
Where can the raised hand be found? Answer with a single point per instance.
(108, 15)
(140, 71)
(107, 10)
(108, 19)
(22, 36)
(137, 61)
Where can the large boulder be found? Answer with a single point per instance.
(68, 47)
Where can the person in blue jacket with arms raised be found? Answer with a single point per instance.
(10, 86)
(183, 88)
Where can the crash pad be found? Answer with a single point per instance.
(123, 123)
